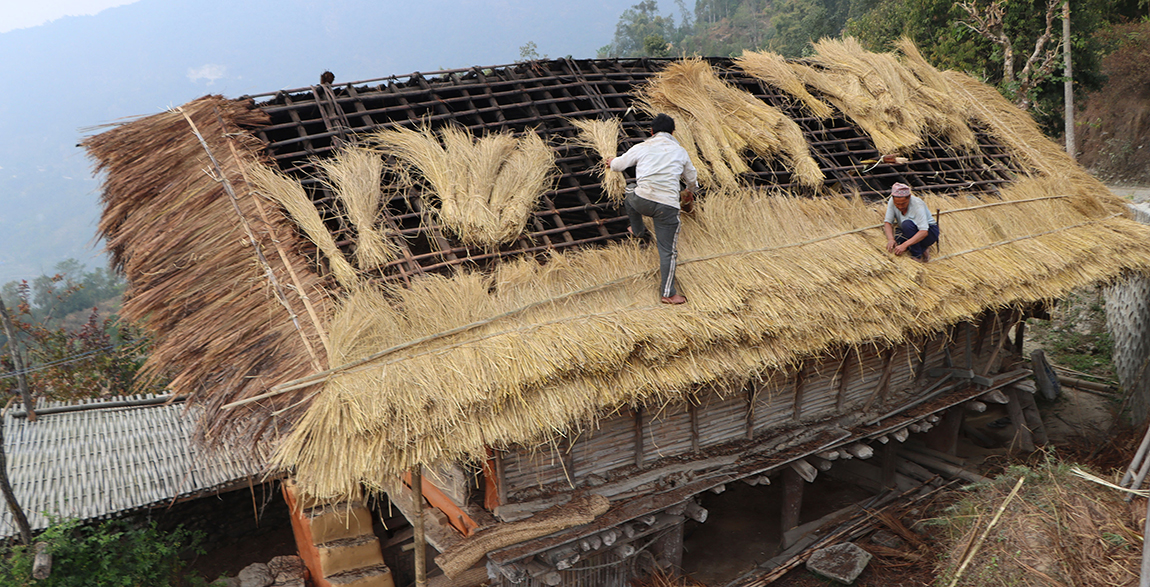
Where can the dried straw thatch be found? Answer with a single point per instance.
(483, 190)
(355, 175)
(896, 103)
(195, 279)
(549, 348)
(289, 194)
(602, 138)
(717, 122)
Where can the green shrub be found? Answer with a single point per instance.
(111, 554)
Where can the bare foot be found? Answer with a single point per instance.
(675, 299)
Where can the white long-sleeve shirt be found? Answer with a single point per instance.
(660, 162)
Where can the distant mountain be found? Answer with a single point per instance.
(79, 72)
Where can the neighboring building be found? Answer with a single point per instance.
(112, 457)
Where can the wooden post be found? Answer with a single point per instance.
(17, 361)
(751, 412)
(889, 461)
(792, 498)
(944, 436)
(798, 409)
(1022, 433)
(639, 436)
(417, 526)
(693, 411)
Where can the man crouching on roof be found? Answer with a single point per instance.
(909, 225)
(660, 162)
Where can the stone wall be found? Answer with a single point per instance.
(1128, 319)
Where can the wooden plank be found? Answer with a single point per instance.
(750, 418)
(883, 380)
(694, 412)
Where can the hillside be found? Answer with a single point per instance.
(1114, 126)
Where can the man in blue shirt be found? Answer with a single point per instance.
(909, 225)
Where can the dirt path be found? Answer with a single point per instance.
(1137, 194)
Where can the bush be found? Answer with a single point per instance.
(111, 554)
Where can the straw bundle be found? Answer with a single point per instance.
(193, 275)
(482, 190)
(602, 138)
(896, 104)
(354, 176)
(289, 194)
(774, 69)
(542, 360)
(723, 122)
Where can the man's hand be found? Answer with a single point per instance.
(608, 161)
(900, 249)
(890, 245)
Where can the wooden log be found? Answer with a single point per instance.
(860, 451)
(695, 512)
(820, 464)
(805, 470)
(624, 550)
(829, 455)
(567, 555)
(914, 470)
(792, 498)
(608, 537)
(974, 406)
(42, 564)
(994, 396)
(901, 434)
(942, 466)
(1033, 418)
(543, 573)
(1022, 437)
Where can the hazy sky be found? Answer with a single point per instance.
(18, 14)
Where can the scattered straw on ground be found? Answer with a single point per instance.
(1059, 530)
(717, 122)
(482, 190)
(556, 345)
(602, 138)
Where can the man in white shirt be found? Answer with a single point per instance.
(660, 163)
(909, 225)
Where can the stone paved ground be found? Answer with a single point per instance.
(1136, 193)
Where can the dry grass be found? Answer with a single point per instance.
(354, 176)
(896, 103)
(289, 194)
(760, 301)
(720, 122)
(602, 138)
(482, 190)
(774, 69)
(1059, 530)
(192, 272)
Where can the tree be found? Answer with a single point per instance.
(989, 21)
(640, 29)
(529, 52)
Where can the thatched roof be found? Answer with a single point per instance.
(450, 349)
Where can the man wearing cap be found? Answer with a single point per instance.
(660, 163)
(908, 225)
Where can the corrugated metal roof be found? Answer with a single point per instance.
(93, 463)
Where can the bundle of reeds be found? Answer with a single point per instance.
(896, 103)
(482, 190)
(773, 69)
(602, 138)
(723, 122)
(194, 277)
(553, 346)
(289, 194)
(354, 176)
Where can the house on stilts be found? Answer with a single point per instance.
(431, 274)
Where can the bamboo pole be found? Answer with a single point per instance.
(985, 533)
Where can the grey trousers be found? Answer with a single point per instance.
(666, 221)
